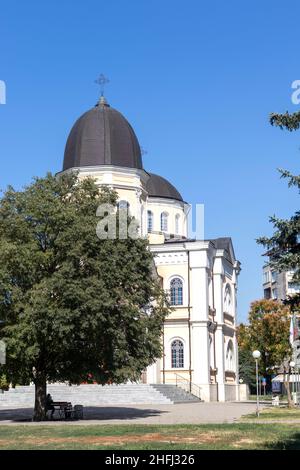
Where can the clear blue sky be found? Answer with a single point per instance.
(196, 80)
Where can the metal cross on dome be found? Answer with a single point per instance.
(102, 80)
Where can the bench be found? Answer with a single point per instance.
(63, 408)
(67, 411)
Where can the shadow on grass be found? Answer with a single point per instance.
(24, 415)
(290, 443)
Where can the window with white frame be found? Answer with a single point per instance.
(164, 222)
(266, 277)
(177, 219)
(177, 354)
(230, 363)
(274, 293)
(150, 221)
(176, 291)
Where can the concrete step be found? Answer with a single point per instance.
(175, 394)
(87, 395)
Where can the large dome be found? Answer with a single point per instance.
(157, 186)
(102, 136)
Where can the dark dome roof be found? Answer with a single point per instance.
(102, 136)
(160, 187)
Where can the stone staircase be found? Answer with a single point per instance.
(97, 395)
(175, 394)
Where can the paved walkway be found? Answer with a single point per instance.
(185, 413)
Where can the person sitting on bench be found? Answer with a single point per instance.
(49, 405)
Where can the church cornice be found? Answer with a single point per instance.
(108, 169)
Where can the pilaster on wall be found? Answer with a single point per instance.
(199, 266)
(200, 353)
(139, 212)
(220, 361)
(237, 378)
(199, 300)
(234, 292)
(218, 280)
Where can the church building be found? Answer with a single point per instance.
(200, 276)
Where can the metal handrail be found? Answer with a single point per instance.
(188, 386)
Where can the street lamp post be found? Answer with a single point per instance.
(292, 366)
(256, 356)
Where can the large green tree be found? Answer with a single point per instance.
(76, 307)
(283, 246)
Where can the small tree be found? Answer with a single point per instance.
(268, 331)
(76, 308)
(246, 369)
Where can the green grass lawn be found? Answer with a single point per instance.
(274, 413)
(148, 437)
(265, 397)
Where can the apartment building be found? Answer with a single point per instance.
(278, 285)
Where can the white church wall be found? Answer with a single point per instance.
(172, 208)
(200, 353)
(231, 392)
(175, 331)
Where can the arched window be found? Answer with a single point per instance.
(227, 299)
(176, 291)
(164, 222)
(123, 205)
(177, 354)
(230, 357)
(150, 221)
(177, 218)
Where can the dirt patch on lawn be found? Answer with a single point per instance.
(244, 441)
(5, 442)
(197, 438)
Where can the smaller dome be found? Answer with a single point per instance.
(157, 186)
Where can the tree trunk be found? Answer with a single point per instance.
(40, 398)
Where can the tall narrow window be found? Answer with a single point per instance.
(230, 357)
(150, 221)
(177, 354)
(176, 291)
(123, 205)
(177, 218)
(164, 222)
(227, 299)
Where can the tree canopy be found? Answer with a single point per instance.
(76, 308)
(283, 247)
(288, 121)
(268, 331)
